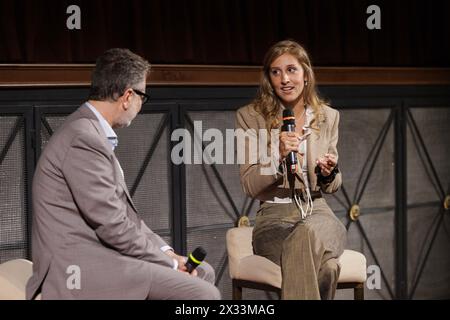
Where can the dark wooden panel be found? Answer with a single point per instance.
(73, 75)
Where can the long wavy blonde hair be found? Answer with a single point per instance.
(267, 102)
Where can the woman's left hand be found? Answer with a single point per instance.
(326, 164)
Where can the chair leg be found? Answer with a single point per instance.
(237, 291)
(359, 291)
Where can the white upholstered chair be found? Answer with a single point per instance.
(248, 270)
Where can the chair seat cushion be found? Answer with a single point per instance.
(260, 269)
(14, 275)
(353, 267)
(245, 265)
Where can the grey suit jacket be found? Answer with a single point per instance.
(266, 187)
(84, 220)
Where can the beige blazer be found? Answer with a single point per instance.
(84, 222)
(266, 187)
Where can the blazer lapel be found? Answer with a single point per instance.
(312, 142)
(121, 179)
(85, 111)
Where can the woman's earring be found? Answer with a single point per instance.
(306, 82)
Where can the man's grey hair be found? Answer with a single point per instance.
(115, 71)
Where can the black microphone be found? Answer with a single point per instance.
(289, 125)
(195, 259)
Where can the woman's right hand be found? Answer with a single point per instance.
(288, 142)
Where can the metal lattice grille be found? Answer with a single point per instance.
(366, 159)
(428, 184)
(13, 180)
(49, 125)
(358, 134)
(208, 188)
(143, 154)
(216, 201)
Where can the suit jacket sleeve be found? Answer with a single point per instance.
(89, 172)
(155, 238)
(334, 185)
(256, 177)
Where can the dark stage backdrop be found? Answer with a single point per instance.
(413, 33)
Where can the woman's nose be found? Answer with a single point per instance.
(284, 78)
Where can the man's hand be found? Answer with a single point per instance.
(181, 262)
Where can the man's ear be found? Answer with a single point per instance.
(126, 98)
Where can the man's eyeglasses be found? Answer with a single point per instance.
(143, 95)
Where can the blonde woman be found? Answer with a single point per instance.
(295, 228)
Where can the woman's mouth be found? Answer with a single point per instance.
(287, 89)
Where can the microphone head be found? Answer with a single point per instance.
(288, 116)
(195, 259)
(199, 253)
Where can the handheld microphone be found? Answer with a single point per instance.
(195, 259)
(289, 125)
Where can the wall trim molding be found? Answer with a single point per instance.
(78, 75)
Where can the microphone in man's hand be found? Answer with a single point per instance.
(195, 259)
(289, 125)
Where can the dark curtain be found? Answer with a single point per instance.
(238, 32)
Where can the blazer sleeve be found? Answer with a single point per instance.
(256, 175)
(88, 170)
(334, 185)
(155, 238)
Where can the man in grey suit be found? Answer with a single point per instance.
(88, 241)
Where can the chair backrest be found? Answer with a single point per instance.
(239, 245)
(14, 275)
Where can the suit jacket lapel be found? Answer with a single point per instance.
(85, 111)
(121, 180)
(311, 155)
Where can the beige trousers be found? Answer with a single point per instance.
(307, 251)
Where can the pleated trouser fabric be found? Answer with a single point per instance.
(307, 251)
